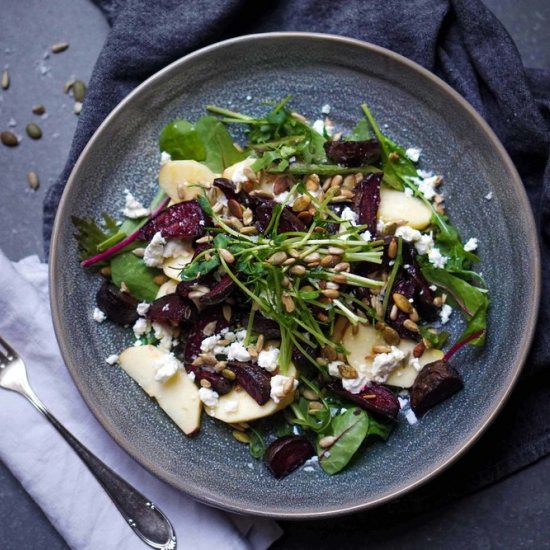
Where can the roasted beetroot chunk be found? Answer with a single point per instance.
(423, 296)
(406, 287)
(219, 383)
(185, 219)
(263, 211)
(373, 398)
(352, 153)
(367, 200)
(253, 379)
(268, 327)
(118, 306)
(196, 334)
(227, 187)
(287, 453)
(172, 308)
(219, 292)
(436, 382)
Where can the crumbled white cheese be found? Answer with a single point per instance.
(248, 98)
(325, 109)
(408, 233)
(284, 197)
(414, 362)
(99, 316)
(436, 258)
(143, 308)
(433, 288)
(166, 367)
(489, 196)
(333, 368)
(384, 363)
(471, 245)
(413, 153)
(165, 158)
(112, 359)
(366, 235)
(209, 343)
(141, 327)
(208, 397)
(191, 375)
(308, 469)
(154, 252)
(133, 208)
(269, 359)
(424, 173)
(165, 343)
(380, 226)
(426, 187)
(355, 385)
(237, 352)
(424, 244)
(408, 192)
(162, 330)
(277, 386)
(319, 126)
(445, 313)
(239, 175)
(349, 215)
(231, 406)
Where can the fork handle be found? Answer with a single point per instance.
(148, 522)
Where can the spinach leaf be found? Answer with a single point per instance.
(91, 235)
(349, 430)
(182, 141)
(478, 323)
(131, 270)
(361, 132)
(218, 144)
(316, 422)
(257, 444)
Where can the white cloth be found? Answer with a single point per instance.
(49, 469)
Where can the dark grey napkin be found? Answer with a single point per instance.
(459, 40)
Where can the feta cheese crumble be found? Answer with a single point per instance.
(349, 215)
(112, 359)
(366, 235)
(471, 245)
(426, 187)
(133, 208)
(436, 258)
(208, 397)
(269, 359)
(355, 385)
(489, 196)
(143, 308)
(278, 383)
(445, 313)
(325, 109)
(99, 316)
(385, 363)
(413, 153)
(141, 327)
(165, 158)
(154, 252)
(408, 192)
(166, 367)
(319, 126)
(237, 352)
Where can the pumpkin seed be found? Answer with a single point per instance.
(59, 47)
(79, 90)
(33, 130)
(241, 437)
(39, 109)
(32, 178)
(5, 80)
(9, 139)
(391, 336)
(402, 303)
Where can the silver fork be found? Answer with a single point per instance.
(148, 522)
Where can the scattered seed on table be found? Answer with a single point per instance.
(39, 109)
(33, 130)
(9, 139)
(5, 80)
(77, 107)
(79, 90)
(32, 178)
(59, 47)
(68, 86)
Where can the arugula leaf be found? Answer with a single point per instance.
(198, 267)
(181, 141)
(349, 430)
(315, 422)
(138, 277)
(91, 234)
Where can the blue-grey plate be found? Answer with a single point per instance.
(416, 109)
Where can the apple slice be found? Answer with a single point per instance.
(169, 287)
(190, 174)
(235, 172)
(238, 406)
(359, 347)
(178, 396)
(173, 265)
(396, 206)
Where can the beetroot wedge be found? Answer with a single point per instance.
(287, 453)
(173, 308)
(367, 200)
(213, 314)
(263, 211)
(253, 379)
(373, 398)
(352, 153)
(219, 383)
(185, 219)
(219, 292)
(118, 306)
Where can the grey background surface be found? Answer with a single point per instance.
(513, 513)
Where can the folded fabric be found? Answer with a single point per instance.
(49, 469)
(459, 40)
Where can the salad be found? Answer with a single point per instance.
(295, 286)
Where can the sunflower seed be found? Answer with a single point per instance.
(278, 258)
(5, 80)
(410, 325)
(226, 255)
(32, 178)
(327, 441)
(59, 47)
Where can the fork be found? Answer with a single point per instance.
(148, 522)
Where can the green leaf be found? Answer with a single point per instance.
(437, 340)
(478, 323)
(138, 277)
(361, 132)
(349, 430)
(91, 234)
(182, 141)
(218, 144)
(257, 444)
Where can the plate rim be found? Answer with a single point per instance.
(523, 346)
